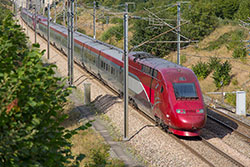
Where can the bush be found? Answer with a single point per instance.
(116, 31)
(31, 102)
(221, 74)
(101, 157)
(239, 52)
(235, 40)
(213, 63)
(231, 98)
(244, 10)
(116, 20)
(201, 70)
(219, 42)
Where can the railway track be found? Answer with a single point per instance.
(241, 128)
(193, 151)
(187, 146)
(229, 117)
(221, 152)
(230, 128)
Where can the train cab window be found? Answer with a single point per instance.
(146, 69)
(185, 90)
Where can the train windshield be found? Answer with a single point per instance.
(185, 90)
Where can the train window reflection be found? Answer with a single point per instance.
(185, 90)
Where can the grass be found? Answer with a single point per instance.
(232, 39)
(88, 142)
(92, 145)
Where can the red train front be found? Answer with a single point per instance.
(169, 93)
(183, 111)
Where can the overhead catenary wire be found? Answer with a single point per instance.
(158, 36)
(166, 24)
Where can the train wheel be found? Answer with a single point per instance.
(157, 121)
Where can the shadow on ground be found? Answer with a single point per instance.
(79, 113)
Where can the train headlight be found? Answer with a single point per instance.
(180, 111)
(200, 111)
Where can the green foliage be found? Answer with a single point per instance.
(101, 157)
(244, 10)
(235, 40)
(221, 74)
(202, 19)
(214, 62)
(226, 8)
(4, 11)
(144, 30)
(231, 98)
(239, 52)
(116, 20)
(116, 31)
(31, 99)
(219, 42)
(201, 70)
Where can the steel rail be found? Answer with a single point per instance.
(191, 150)
(229, 117)
(230, 128)
(177, 139)
(221, 152)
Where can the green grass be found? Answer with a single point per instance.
(232, 39)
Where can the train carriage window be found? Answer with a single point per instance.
(162, 89)
(155, 72)
(77, 48)
(101, 64)
(112, 71)
(58, 37)
(107, 67)
(64, 41)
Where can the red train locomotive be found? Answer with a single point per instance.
(167, 92)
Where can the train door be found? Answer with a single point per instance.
(153, 83)
(99, 64)
(158, 96)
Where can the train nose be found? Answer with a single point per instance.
(192, 122)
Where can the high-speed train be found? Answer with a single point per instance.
(165, 91)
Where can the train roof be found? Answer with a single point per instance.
(110, 50)
(152, 61)
(114, 52)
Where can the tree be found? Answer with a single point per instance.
(202, 19)
(221, 74)
(31, 102)
(145, 30)
(201, 70)
(226, 8)
(244, 10)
